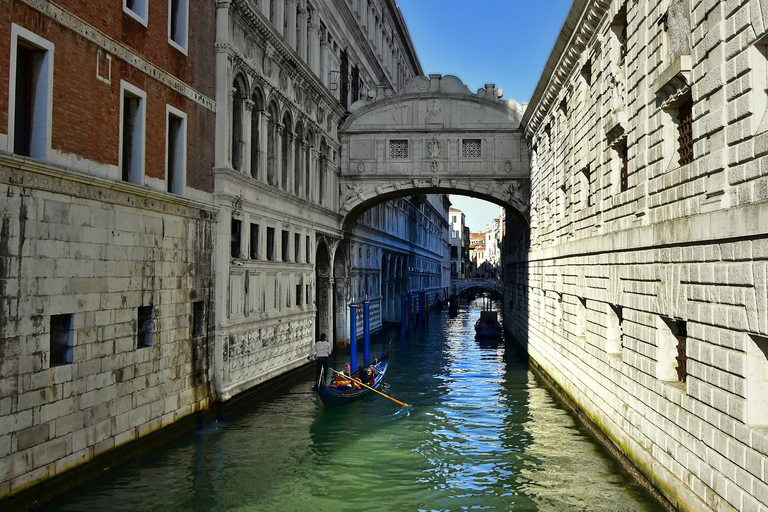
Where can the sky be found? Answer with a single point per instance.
(506, 42)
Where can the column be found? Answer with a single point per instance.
(279, 10)
(222, 90)
(247, 119)
(303, 32)
(290, 18)
(301, 169)
(263, 119)
(324, 62)
(313, 47)
(278, 154)
(288, 172)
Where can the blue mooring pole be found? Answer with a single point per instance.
(422, 311)
(353, 336)
(403, 305)
(366, 331)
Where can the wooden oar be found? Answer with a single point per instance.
(369, 387)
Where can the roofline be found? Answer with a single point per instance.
(578, 29)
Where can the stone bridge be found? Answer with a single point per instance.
(460, 285)
(434, 136)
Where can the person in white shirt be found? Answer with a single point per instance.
(321, 352)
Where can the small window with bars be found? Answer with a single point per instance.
(470, 148)
(685, 133)
(623, 154)
(398, 149)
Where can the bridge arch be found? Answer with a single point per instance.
(434, 136)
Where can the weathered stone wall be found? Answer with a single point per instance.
(98, 253)
(646, 278)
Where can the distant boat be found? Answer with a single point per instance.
(488, 326)
(336, 394)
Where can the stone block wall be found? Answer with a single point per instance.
(646, 278)
(82, 261)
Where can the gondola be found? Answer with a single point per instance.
(488, 326)
(335, 396)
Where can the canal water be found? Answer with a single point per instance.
(480, 433)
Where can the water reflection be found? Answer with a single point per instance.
(481, 435)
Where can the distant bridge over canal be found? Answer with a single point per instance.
(460, 285)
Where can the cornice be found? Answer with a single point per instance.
(40, 175)
(579, 28)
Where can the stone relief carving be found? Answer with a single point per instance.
(434, 111)
(508, 166)
(361, 167)
(266, 64)
(283, 80)
(434, 167)
(518, 193)
(434, 149)
(617, 92)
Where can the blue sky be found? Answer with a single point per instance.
(506, 42)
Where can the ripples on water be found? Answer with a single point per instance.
(481, 434)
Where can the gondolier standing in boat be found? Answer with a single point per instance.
(321, 353)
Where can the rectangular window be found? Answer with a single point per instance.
(296, 247)
(685, 133)
(470, 148)
(136, 9)
(145, 326)
(234, 238)
(271, 244)
(61, 340)
(132, 124)
(176, 148)
(306, 295)
(298, 295)
(624, 163)
(198, 319)
(398, 149)
(178, 23)
(254, 241)
(307, 250)
(285, 252)
(31, 93)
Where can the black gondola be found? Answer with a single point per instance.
(333, 395)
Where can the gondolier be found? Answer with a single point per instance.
(321, 353)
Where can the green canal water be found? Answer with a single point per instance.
(481, 434)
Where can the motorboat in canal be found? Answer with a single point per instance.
(488, 325)
(342, 391)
